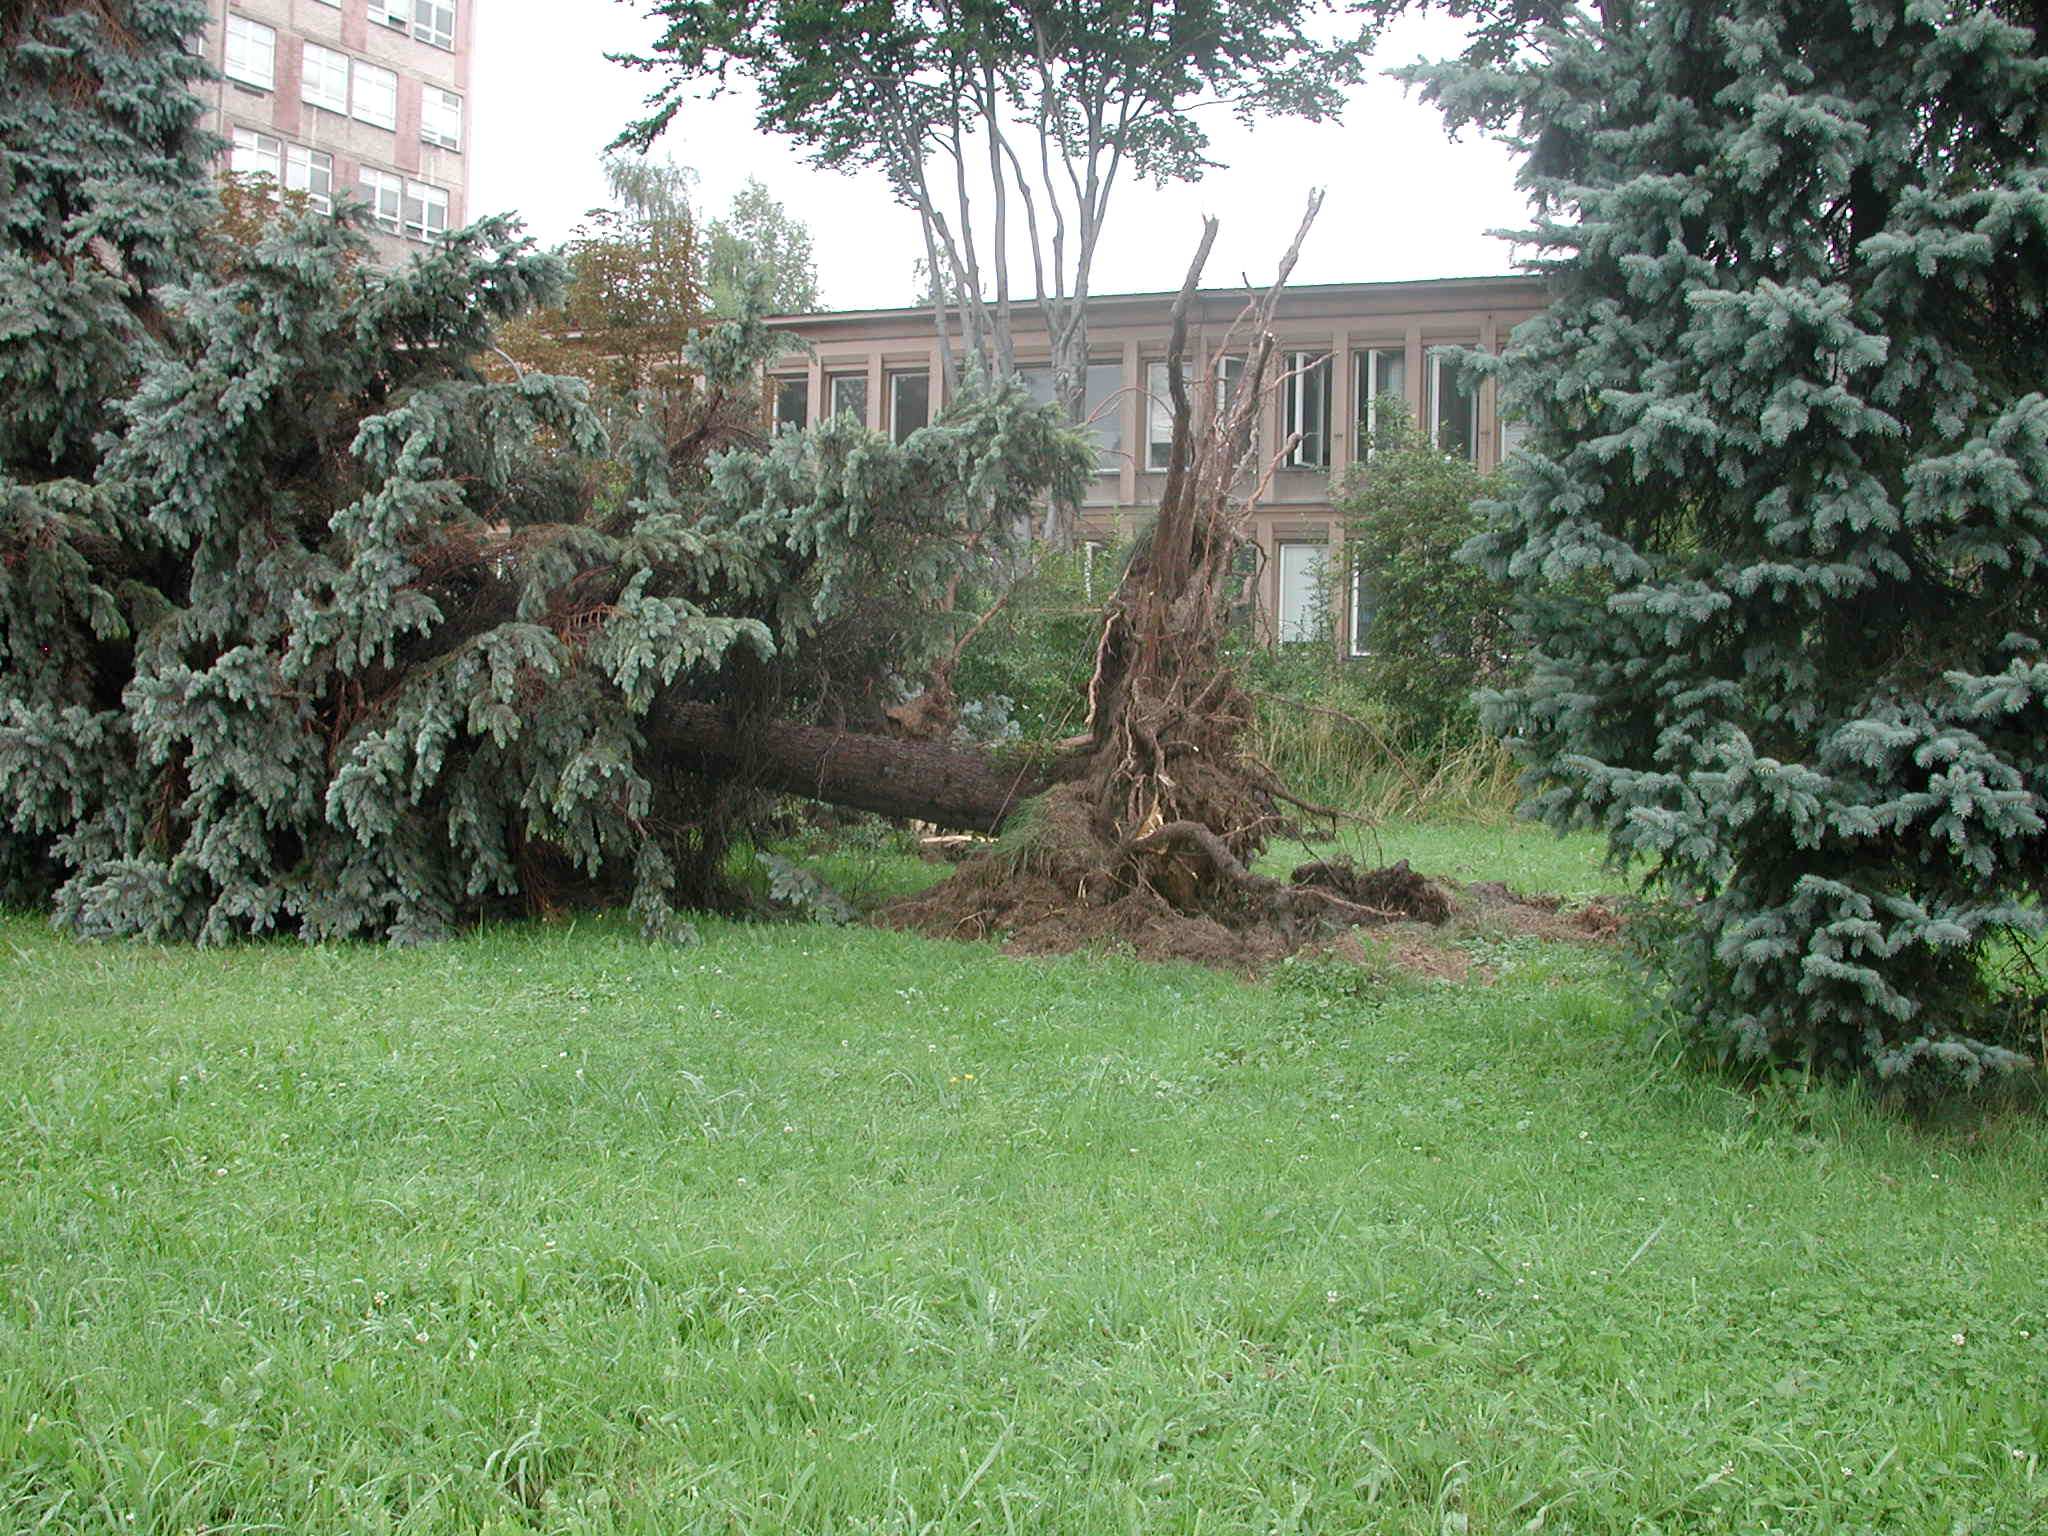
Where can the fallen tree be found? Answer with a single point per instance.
(372, 643)
(959, 788)
(1152, 827)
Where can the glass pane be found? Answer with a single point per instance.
(1380, 378)
(1302, 601)
(850, 397)
(910, 402)
(792, 405)
(1454, 417)
(1105, 411)
(1158, 417)
(1361, 614)
(1308, 413)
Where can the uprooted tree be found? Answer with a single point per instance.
(1157, 813)
(338, 633)
(310, 625)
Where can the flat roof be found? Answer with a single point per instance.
(1167, 295)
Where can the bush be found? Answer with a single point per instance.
(1029, 668)
(1439, 628)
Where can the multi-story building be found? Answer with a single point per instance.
(1343, 348)
(365, 97)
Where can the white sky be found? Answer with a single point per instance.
(1402, 200)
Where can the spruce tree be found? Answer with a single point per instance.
(1779, 529)
(364, 642)
(102, 200)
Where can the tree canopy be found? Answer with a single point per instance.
(1779, 531)
(314, 625)
(759, 250)
(103, 197)
(993, 119)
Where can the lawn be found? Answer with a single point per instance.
(815, 1230)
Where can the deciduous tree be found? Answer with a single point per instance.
(1000, 119)
(759, 249)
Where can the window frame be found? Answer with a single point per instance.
(1365, 399)
(307, 62)
(1281, 547)
(423, 230)
(241, 27)
(1437, 358)
(1303, 369)
(357, 69)
(430, 134)
(275, 170)
(373, 178)
(431, 36)
(297, 181)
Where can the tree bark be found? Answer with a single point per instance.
(952, 787)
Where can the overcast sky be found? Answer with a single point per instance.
(1403, 201)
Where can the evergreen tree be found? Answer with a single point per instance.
(102, 199)
(1779, 529)
(362, 642)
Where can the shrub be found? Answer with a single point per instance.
(1439, 629)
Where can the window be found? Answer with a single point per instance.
(433, 21)
(1308, 410)
(1361, 614)
(1453, 409)
(1378, 375)
(323, 81)
(849, 393)
(251, 55)
(910, 403)
(392, 13)
(426, 211)
(374, 94)
(310, 171)
(257, 154)
(1303, 603)
(1158, 417)
(1229, 378)
(1512, 434)
(1099, 406)
(385, 194)
(440, 117)
(792, 405)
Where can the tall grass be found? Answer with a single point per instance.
(1347, 758)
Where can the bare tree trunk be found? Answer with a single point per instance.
(953, 787)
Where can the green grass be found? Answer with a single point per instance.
(844, 1231)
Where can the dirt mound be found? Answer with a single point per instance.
(1542, 916)
(1030, 912)
(1395, 891)
(1031, 915)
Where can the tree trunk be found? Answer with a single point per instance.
(952, 787)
